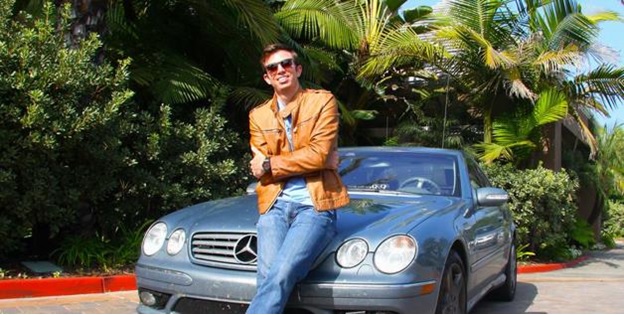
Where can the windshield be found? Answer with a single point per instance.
(405, 172)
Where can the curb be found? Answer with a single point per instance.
(533, 268)
(27, 288)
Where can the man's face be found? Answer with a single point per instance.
(281, 72)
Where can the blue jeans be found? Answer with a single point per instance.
(290, 238)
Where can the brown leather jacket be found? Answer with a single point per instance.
(315, 134)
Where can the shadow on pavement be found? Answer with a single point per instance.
(525, 297)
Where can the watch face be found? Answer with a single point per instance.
(266, 165)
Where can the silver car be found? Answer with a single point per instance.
(424, 233)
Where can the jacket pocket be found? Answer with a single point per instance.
(274, 139)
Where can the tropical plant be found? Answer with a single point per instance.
(118, 250)
(522, 253)
(517, 136)
(582, 234)
(203, 46)
(358, 31)
(503, 53)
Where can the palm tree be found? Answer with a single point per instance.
(182, 51)
(568, 36)
(517, 136)
(503, 56)
(354, 32)
(185, 50)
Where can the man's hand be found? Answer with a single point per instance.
(333, 160)
(255, 165)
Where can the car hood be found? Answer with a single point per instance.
(373, 216)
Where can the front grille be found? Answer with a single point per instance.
(225, 250)
(197, 306)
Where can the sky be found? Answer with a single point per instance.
(611, 35)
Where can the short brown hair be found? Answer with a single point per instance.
(271, 48)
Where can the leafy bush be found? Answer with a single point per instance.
(96, 251)
(543, 205)
(582, 234)
(81, 160)
(57, 109)
(522, 254)
(614, 220)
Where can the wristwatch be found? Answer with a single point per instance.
(266, 165)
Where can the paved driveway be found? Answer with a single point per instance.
(593, 286)
(596, 285)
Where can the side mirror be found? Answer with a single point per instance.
(491, 197)
(251, 188)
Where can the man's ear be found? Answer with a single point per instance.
(299, 70)
(266, 79)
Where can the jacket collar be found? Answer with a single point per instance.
(291, 108)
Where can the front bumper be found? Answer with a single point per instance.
(229, 291)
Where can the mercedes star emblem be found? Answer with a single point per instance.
(245, 249)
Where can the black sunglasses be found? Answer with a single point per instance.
(286, 63)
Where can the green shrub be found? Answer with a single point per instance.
(543, 205)
(57, 112)
(582, 234)
(121, 250)
(613, 223)
(522, 254)
(80, 158)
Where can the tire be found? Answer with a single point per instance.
(452, 295)
(507, 291)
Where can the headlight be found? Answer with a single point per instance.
(176, 242)
(154, 238)
(351, 253)
(395, 254)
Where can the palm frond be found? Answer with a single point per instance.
(177, 81)
(248, 97)
(517, 88)
(604, 16)
(489, 152)
(606, 83)
(508, 132)
(554, 60)
(327, 20)
(400, 47)
(477, 15)
(586, 132)
(117, 22)
(415, 14)
(551, 106)
(563, 23)
(394, 5)
(256, 17)
(321, 64)
(376, 20)
(499, 59)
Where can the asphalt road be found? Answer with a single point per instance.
(596, 285)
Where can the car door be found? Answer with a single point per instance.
(488, 244)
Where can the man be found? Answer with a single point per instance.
(294, 140)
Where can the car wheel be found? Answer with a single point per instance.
(452, 296)
(507, 291)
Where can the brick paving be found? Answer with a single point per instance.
(120, 302)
